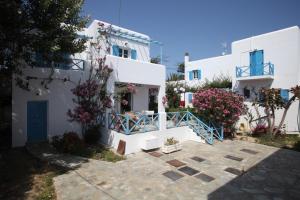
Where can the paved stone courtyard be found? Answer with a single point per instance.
(226, 170)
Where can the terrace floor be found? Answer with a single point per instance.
(226, 170)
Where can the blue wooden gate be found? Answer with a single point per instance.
(257, 63)
(36, 121)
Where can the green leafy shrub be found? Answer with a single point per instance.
(171, 141)
(70, 142)
(92, 135)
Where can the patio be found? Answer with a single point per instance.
(227, 170)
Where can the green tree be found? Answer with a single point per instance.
(175, 77)
(180, 67)
(44, 26)
(271, 100)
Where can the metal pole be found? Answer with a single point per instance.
(161, 50)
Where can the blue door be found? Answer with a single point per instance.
(257, 63)
(36, 121)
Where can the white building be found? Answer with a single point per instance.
(41, 113)
(270, 60)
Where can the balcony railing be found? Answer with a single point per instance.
(249, 71)
(133, 123)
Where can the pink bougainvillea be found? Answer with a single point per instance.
(131, 88)
(88, 103)
(219, 106)
(86, 110)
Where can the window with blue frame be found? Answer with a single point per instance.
(195, 75)
(124, 52)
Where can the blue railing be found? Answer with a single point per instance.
(139, 123)
(133, 123)
(248, 71)
(207, 132)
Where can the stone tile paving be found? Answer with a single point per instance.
(233, 171)
(270, 174)
(175, 163)
(233, 158)
(155, 154)
(173, 175)
(198, 159)
(249, 151)
(188, 170)
(205, 177)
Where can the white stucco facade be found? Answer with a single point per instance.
(58, 96)
(280, 48)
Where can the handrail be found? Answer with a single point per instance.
(140, 123)
(244, 71)
(186, 118)
(128, 124)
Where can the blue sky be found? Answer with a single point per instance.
(199, 27)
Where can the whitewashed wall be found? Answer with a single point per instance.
(59, 99)
(281, 48)
(143, 51)
(210, 68)
(59, 94)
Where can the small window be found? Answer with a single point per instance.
(246, 93)
(120, 51)
(125, 53)
(195, 74)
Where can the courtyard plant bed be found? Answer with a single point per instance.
(72, 144)
(171, 145)
(287, 141)
(25, 177)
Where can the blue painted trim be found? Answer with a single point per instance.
(37, 121)
(284, 93)
(199, 74)
(115, 50)
(191, 75)
(133, 54)
(190, 97)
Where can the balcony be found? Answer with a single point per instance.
(134, 71)
(262, 72)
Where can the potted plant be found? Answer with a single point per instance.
(171, 145)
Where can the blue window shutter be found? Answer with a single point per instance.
(191, 75)
(284, 93)
(199, 74)
(115, 49)
(133, 54)
(190, 97)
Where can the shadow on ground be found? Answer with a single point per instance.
(24, 177)
(276, 177)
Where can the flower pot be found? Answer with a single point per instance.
(171, 148)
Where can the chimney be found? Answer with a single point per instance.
(186, 58)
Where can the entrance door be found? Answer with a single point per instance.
(257, 63)
(126, 103)
(36, 121)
